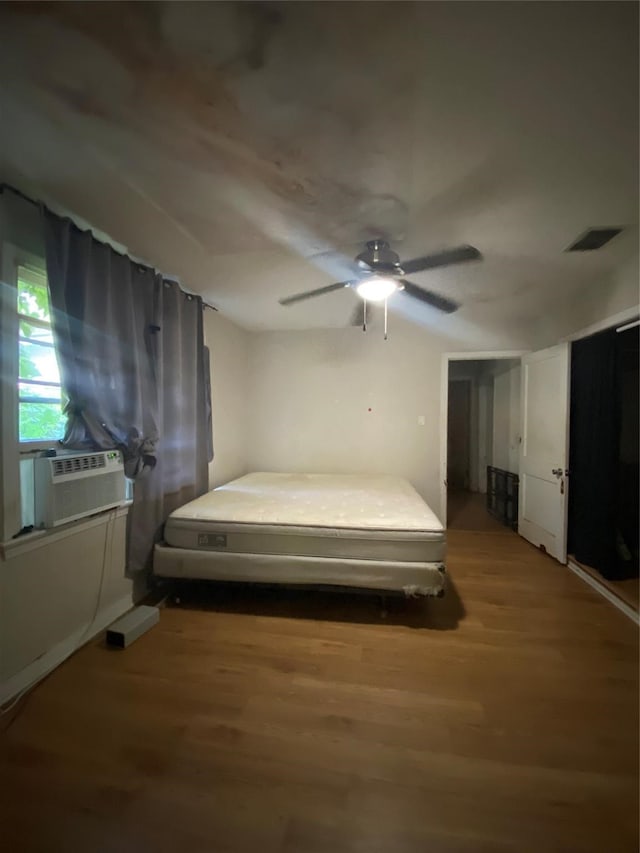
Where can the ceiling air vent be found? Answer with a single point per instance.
(594, 238)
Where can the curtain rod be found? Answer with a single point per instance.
(4, 186)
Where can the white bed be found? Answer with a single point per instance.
(359, 531)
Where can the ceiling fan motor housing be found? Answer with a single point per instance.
(378, 257)
(379, 275)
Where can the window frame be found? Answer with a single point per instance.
(12, 450)
(38, 266)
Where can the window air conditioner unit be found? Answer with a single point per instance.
(69, 487)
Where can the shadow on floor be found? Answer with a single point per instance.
(437, 614)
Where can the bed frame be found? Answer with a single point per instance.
(218, 529)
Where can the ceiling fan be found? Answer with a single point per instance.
(378, 274)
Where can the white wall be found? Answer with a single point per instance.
(20, 223)
(606, 297)
(311, 392)
(228, 345)
(506, 415)
(53, 595)
(469, 371)
(485, 429)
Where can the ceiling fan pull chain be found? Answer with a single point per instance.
(385, 319)
(364, 315)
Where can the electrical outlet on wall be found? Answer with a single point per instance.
(421, 420)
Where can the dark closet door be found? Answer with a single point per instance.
(628, 478)
(594, 451)
(595, 497)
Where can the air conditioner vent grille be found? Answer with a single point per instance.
(73, 464)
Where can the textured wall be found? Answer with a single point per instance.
(340, 400)
(228, 347)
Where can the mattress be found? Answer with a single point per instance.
(363, 517)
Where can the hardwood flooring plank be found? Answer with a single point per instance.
(502, 718)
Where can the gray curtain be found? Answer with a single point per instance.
(131, 353)
(181, 409)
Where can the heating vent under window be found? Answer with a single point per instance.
(78, 463)
(70, 487)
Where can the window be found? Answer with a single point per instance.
(40, 396)
(31, 397)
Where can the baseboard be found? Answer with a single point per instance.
(37, 670)
(622, 606)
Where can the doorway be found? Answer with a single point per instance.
(482, 433)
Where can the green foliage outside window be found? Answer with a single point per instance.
(41, 400)
(41, 422)
(33, 296)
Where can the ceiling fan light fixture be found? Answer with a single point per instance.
(376, 274)
(376, 288)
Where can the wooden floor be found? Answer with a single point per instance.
(503, 717)
(468, 511)
(627, 591)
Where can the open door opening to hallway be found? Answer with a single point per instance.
(483, 434)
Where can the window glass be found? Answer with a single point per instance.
(40, 396)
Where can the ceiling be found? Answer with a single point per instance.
(244, 146)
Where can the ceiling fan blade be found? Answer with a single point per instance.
(446, 258)
(308, 294)
(428, 297)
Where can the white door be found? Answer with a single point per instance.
(542, 513)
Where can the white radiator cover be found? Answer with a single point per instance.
(72, 486)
